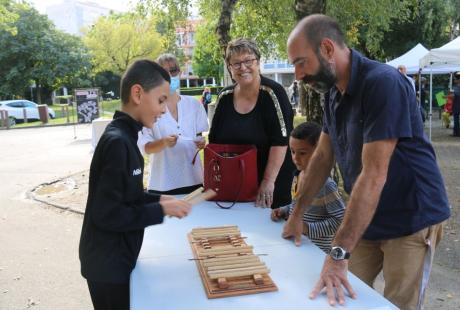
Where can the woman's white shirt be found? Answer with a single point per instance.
(172, 167)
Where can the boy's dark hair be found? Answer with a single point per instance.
(144, 72)
(308, 131)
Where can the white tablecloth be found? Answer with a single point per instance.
(164, 278)
(97, 129)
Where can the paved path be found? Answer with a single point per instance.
(39, 265)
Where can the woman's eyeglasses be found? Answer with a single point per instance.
(174, 71)
(247, 63)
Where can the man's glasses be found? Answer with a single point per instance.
(247, 63)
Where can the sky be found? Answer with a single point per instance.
(117, 5)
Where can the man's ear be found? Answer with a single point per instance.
(136, 92)
(327, 48)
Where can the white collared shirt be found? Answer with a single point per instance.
(172, 167)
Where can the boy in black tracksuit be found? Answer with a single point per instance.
(118, 209)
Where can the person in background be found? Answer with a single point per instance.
(294, 94)
(118, 209)
(256, 110)
(403, 70)
(206, 98)
(173, 141)
(322, 218)
(448, 108)
(456, 106)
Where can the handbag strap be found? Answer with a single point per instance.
(243, 175)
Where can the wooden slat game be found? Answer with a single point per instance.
(227, 265)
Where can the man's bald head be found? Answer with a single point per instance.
(315, 28)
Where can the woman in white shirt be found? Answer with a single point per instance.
(173, 141)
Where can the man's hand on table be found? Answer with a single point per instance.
(334, 277)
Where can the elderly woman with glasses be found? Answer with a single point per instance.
(256, 110)
(174, 139)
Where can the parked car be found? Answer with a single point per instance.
(16, 108)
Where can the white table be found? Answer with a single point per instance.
(164, 278)
(97, 129)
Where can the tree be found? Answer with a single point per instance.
(119, 39)
(207, 59)
(37, 52)
(168, 14)
(7, 17)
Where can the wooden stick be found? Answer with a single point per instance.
(193, 194)
(239, 273)
(226, 256)
(215, 227)
(230, 262)
(208, 194)
(210, 235)
(233, 266)
(215, 231)
(199, 240)
(211, 272)
(233, 257)
(229, 247)
(240, 249)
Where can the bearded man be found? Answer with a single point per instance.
(373, 129)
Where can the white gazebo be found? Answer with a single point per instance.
(445, 59)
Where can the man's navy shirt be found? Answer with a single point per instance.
(379, 104)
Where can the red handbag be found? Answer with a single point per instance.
(231, 171)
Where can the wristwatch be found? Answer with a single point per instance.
(338, 253)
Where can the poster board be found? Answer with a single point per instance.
(87, 104)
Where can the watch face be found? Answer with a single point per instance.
(337, 253)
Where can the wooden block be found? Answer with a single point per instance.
(208, 194)
(230, 260)
(215, 227)
(216, 251)
(236, 265)
(193, 194)
(222, 283)
(242, 273)
(258, 279)
(233, 274)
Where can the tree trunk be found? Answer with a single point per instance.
(310, 101)
(224, 23)
(223, 32)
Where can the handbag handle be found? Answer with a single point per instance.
(243, 174)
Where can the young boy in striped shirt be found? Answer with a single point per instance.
(323, 217)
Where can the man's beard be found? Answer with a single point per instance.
(322, 81)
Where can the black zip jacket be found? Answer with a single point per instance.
(118, 209)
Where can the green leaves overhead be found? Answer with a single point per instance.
(117, 40)
(37, 52)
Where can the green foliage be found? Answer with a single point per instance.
(365, 22)
(207, 60)
(7, 17)
(119, 39)
(268, 22)
(168, 14)
(38, 52)
(431, 22)
(378, 28)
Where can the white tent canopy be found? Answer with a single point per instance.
(410, 59)
(447, 57)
